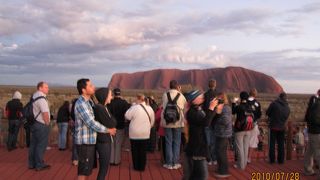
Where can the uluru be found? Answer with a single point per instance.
(229, 79)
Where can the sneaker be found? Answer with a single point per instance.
(44, 167)
(176, 166)
(249, 161)
(167, 166)
(309, 173)
(210, 163)
(75, 163)
(222, 175)
(235, 166)
(215, 162)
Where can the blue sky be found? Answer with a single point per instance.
(61, 41)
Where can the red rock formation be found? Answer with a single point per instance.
(230, 79)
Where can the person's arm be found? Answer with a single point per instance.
(258, 111)
(6, 112)
(129, 114)
(88, 119)
(307, 115)
(46, 118)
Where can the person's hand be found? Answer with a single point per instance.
(213, 104)
(235, 100)
(112, 131)
(219, 108)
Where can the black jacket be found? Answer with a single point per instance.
(103, 116)
(278, 113)
(256, 107)
(312, 127)
(14, 107)
(63, 115)
(209, 95)
(240, 111)
(118, 107)
(198, 120)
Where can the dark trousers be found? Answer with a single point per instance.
(221, 154)
(139, 155)
(152, 140)
(104, 150)
(195, 169)
(28, 135)
(13, 131)
(276, 137)
(38, 144)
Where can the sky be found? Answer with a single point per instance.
(61, 41)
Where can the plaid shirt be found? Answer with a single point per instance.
(86, 127)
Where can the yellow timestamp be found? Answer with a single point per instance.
(274, 176)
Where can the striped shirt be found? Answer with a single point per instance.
(86, 127)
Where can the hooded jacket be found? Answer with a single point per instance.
(118, 107)
(102, 115)
(278, 113)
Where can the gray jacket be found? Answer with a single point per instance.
(223, 124)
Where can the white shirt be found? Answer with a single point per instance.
(140, 125)
(41, 105)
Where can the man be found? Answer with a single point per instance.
(118, 108)
(278, 114)
(209, 95)
(173, 130)
(254, 133)
(39, 129)
(313, 147)
(86, 128)
(13, 112)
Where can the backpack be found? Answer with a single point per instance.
(315, 111)
(246, 123)
(171, 112)
(27, 112)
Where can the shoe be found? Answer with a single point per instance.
(31, 168)
(235, 166)
(176, 166)
(44, 167)
(210, 163)
(167, 166)
(222, 175)
(249, 161)
(215, 162)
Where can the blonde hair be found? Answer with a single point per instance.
(141, 97)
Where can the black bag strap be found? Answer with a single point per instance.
(174, 101)
(34, 100)
(146, 112)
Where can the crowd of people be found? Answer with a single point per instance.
(192, 130)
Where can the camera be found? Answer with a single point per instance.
(220, 101)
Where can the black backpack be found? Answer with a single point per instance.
(247, 122)
(171, 112)
(27, 112)
(315, 111)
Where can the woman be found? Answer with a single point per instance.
(242, 135)
(63, 120)
(141, 119)
(195, 165)
(223, 131)
(102, 114)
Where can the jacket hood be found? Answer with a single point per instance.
(101, 95)
(282, 101)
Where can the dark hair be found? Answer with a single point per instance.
(283, 96)
(173, 84)
(40, 84)
(319, 92)
(82, 84)
(66, 104)
(212, 83)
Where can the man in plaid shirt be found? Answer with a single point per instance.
(86, 128)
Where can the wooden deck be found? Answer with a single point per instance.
(13, 165)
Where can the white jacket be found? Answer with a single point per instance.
(140, 125)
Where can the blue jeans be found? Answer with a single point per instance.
(63, 129)
(38, 144)
(14, 126)
(173, 141)
(211, 140)
(74, 156)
